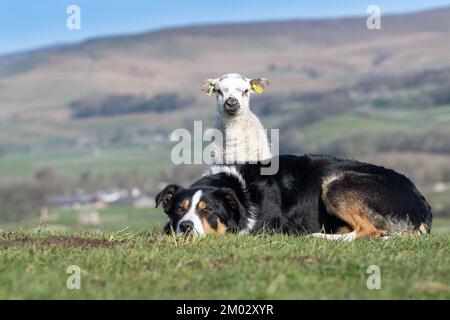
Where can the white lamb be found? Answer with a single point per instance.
(244, 138)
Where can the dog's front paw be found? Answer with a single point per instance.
(336, 237)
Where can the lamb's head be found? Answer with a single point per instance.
(233, 93)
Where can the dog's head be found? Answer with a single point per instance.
(200, 211)
(233, 92)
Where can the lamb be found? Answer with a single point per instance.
(244, 137)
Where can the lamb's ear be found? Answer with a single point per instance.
(166, 195)
(259, 84)
(208, 86)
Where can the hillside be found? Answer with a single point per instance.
(103, 108)
(297, 56)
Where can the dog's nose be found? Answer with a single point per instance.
(231, 106)
(186, 226)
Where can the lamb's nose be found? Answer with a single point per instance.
(232, 102)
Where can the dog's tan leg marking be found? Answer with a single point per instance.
(356, 215)
(350, 207)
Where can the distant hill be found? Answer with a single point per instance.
(38, 87)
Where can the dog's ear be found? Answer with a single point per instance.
(259, 84)
(208, 86)
(234, 208)
(166, 196)
(228, 196)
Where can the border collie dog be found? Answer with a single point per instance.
(316, 195)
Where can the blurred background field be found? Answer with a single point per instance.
(84, 127)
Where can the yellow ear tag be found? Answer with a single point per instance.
(257, 88)
(210, 92)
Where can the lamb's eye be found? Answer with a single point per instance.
(219, 92)
(245, 91)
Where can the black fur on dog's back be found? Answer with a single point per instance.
(291, 200)
(308, 194)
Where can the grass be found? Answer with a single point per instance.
(148, 265)
(440, 197)
(72, 163)
(441, 222)
(132, 259)
(379, 122)
(115, 218)
(112, 219)
(346, 124)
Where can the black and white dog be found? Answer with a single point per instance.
(312, 194)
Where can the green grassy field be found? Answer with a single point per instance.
(121, 258)
(147, 265)
(114, 159)
(377, 122)
(112, 218)
(72, 163)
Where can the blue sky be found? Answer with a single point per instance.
(26, 24)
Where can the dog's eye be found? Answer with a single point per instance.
(204, 208)
(219, 92)
(179, 209)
